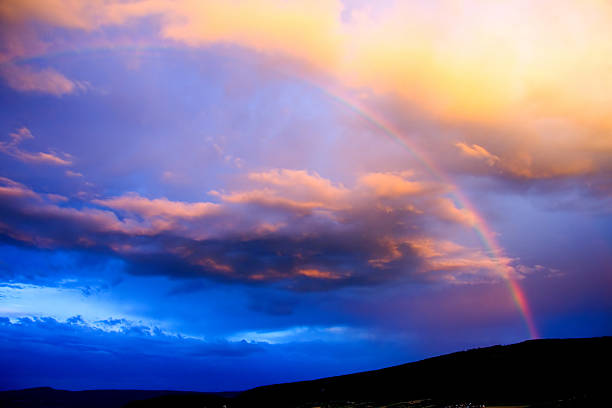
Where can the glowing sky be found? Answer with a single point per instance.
(215, 195)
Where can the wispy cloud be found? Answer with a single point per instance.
(24, 78)
(71, 173)
(477, 152)
(12, 148)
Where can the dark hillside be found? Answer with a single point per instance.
(538, 373)
(45, 397)
(533, 371)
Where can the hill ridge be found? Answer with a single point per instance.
(536, 373)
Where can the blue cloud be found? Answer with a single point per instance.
(74, 355)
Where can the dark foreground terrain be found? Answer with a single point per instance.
(536, 373)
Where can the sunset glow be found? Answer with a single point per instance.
(217, 195)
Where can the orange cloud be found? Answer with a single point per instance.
(392, 253)
(145, 207)
(77, 14)
(318, 274)
(446, 210)
(391, 184)
(478, 152)
(268, 198)
(210, 263)
(305, 29)
(476, 59)
(302, 184)
(451, 262)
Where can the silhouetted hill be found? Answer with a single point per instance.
(45, 397)
(536, 373)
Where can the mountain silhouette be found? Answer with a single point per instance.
(534, 373)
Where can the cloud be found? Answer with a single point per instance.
(317, 274)
(535, 161)
(477, 152)
(71, 173)
(74, 14)
(391, 185)
(301, 184)
(106, 344)
(445, 209)
(511, 91)
(61, 354)
(301, 334)
(134, 204)
(12, 149)
(273, 234)
(21, 204)
(25, 79)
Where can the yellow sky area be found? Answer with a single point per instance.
(306, 30)
(480, 61)
(484, 61)
(490, 60)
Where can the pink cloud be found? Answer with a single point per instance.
(391, 184)
(451, 262)
(318, 274)
(445, 209)
(392, 253)
(300, 184)
(144, 207)
(12, 149)
(25, 79)
(268, 198)
(21, 201)
(10, 188)
(478, 152)
(269, 235)
(216, 266)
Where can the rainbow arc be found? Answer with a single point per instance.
(483, 232)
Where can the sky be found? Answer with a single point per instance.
(217, 195)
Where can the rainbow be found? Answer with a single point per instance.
(483, 232)
(485, 235)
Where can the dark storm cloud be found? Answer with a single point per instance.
(288, 227)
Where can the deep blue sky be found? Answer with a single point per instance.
(201, 198)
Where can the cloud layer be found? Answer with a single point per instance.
(287, 226)
(534, 97)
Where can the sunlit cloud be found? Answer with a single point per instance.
(392, 185)
(48, 80)
(510, 66)
(135, 204)
(478, 152)
(350, 236)
(12, 149)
